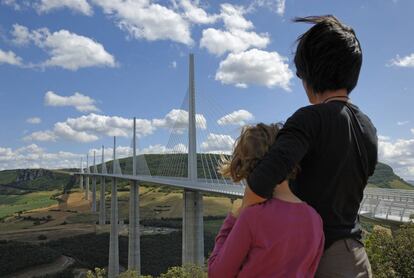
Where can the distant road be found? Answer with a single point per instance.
(60, 264)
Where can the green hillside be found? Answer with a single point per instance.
(23, 181)
(384, 177)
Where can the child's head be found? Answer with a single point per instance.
(251, 146)
(328, 55)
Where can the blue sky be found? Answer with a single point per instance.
(73, 73)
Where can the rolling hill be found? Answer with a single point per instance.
(384, 177)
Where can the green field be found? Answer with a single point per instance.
(10, 204)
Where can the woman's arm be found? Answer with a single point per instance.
(291, 145)
(231, 248)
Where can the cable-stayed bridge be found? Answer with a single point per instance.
(190, 165)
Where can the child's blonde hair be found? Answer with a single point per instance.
(251, 146)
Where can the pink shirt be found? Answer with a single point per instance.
(272, 239)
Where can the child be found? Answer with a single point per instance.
(281, 237)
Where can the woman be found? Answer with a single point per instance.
(281, 237)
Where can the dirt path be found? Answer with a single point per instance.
(52, 233)
(60, 264)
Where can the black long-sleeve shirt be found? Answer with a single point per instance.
(335, 145)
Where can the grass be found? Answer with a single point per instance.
(8, 176)
(10, 204)
(213, 226)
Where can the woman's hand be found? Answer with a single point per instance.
(250, 198)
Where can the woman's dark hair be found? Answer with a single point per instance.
(328, 55)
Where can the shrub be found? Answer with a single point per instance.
(188, 271)
(42, 237)
(378, 245)
(97, 273)
(392, 255)
(15, 256)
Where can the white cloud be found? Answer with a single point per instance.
(174, 64)
(42, 136)
(89, 128)
(399, 154)
(219, 42)
(109, 125)
(237, 37)
(81, 6)
(402, 123)
(145, 20)
(277, 6)
(12, 3)
(21, 34)
(281, 5)
(121, 152)
(407, 61)
(65, 49)
(239, 117)
(217, 143)
(65, 131)
(158, 148)
(10, 58)
(81, 102)
(233, 17)
(383, 138)
(177, 121)
(32, 156)
(255, 67)
(34, 120)
(196, 14)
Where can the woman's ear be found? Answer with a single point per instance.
(309, 92)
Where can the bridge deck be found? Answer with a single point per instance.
(387, 204)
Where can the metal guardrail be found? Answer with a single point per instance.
(379, 203)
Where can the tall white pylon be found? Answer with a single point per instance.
(113, 267)
(134, 236)
(102, 215)
(193, 237)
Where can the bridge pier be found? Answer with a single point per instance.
(134, 260)
(93, 209)
(102, 207)
(81, 176)
(113, 267)
(193, 231)
(102, 216)
(87, 178)
(81, 182)
(87, 188)
(134, 235)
